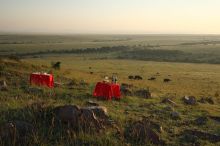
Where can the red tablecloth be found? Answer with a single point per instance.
(107, 91)
(42, 79)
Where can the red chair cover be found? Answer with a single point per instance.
(107, 91)
(42, 80)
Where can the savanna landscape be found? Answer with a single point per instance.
(109, 73)
(176, 101)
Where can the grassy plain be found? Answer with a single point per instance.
(36, 43)
(199, 80)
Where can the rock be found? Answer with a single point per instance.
(33, 90)
(3, 85)
(143, 93)
(203, 135)
(215, 118)
(175, 115)
(206, 100)
(126, 92)
(144, 131)
(201, 120)
(99, 111)
(190, 100)
(166, 80)
(68, 114)
(152, 79)
(168, 108)
(72, 83)
(83, 83)
(167, 100)
(92, 103)
(125, 85)
(56, 84)
(16, 130)
(87, 118)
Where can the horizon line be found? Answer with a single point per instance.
(56, 33)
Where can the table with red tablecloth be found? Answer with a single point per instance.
(107, 91)
(42, 79)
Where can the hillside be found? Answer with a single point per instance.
(162, 119)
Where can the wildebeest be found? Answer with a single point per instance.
(167, 80)
(130, 77)
(152, 79)
(137, 77)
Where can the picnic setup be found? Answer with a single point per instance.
(104, 90)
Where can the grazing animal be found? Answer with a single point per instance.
(137, 77)
(166, 80)
(130, 77)
(152, 79)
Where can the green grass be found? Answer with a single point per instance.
(199, 80)
(187, 79)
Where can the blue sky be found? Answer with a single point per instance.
(110, 16)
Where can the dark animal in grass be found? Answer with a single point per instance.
(91, 72)
(166, 80)
(137, 77)
(152, 79)
(16, 132)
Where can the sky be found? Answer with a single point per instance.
(110, 16)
